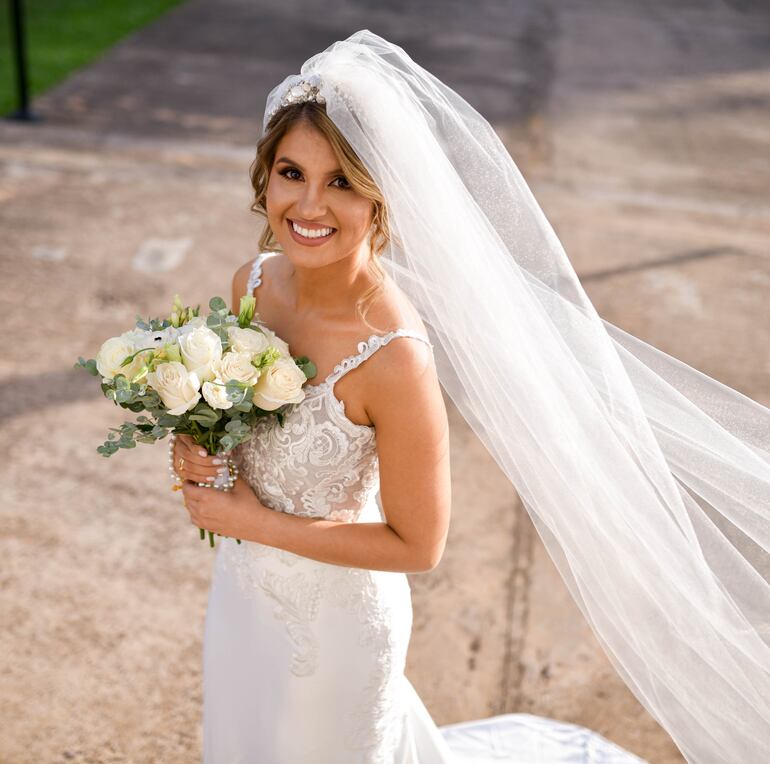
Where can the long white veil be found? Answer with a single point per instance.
(648, 481)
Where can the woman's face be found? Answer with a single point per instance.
(307, 187)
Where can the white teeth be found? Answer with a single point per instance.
(311, 234)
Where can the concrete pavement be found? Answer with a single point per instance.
(643, 132)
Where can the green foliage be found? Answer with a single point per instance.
(205, 415)
(64, 35)
(214, 429)
(307, 366)
(218, 322)
(89, 365)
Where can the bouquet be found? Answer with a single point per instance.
(210, 378)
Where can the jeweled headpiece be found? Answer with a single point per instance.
(298, 91)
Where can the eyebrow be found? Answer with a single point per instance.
(299, 166)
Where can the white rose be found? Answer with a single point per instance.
(234, 365)
(201, 348)
(247, 340)
(111, 354)
(194, 323)
(276, 341)
(280, 383)
(216, 394)
(142, 339)
(177, 387)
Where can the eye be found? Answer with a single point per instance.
(285, 172)
(343, 178)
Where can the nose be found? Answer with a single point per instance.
(310, 204)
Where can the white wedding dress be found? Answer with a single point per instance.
(303, 661)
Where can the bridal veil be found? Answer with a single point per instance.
(648, 482)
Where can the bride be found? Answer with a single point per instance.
(402, 250)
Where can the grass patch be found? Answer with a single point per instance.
(63, 35)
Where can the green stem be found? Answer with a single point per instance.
(203, 533)
(211, 539)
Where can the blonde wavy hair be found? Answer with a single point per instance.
(356, 174)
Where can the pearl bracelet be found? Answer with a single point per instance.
(223, 483)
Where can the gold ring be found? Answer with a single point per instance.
(181, 462)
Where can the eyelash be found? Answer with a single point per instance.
(287, 170)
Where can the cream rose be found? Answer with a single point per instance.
(177, 387)
(276, 341)
(143, 339)
(201, 348)
(216, 394)
(111, 354)
(234, 365)
(247, 340)
(280, 383)
(194, 323)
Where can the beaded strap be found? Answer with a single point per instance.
(255, 275)
(367, 347)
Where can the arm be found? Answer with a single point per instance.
(407, 409)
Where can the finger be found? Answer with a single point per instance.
(197, 454)
(194, 467)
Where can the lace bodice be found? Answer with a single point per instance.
(318, 463)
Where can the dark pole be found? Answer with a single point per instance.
(20, 56)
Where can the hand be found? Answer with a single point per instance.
(198, 465)
(235, 513)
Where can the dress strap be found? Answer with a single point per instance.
(368, 347)
(255, 275)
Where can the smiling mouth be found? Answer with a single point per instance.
(303, 238)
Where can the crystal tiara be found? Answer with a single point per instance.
(297, 93)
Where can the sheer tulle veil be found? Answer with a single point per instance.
(648, 481)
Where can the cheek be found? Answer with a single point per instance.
(357, 216)
(276, 199)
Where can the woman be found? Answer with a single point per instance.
(647, 481)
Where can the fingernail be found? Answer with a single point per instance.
(217, 460)
(202, 452)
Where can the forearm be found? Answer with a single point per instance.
(375, 546)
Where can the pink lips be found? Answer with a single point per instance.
(309, 242)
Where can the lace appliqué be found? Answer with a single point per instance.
(297, 596)
(376, 724)
(318, 464)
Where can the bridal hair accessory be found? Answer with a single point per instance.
(648, 481)
(298, 91)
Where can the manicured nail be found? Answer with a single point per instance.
(217, 460)
(202, 452)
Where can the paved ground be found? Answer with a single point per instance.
(643, 130)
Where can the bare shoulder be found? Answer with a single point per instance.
(240, 278)
(405, 367)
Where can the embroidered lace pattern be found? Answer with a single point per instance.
(321, 464)
(376, 724)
